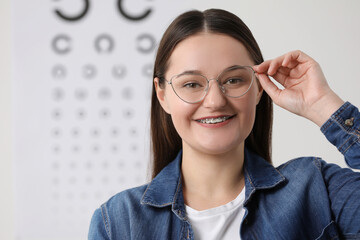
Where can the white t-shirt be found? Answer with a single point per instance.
(222, 222)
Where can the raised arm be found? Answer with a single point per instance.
(305, 91)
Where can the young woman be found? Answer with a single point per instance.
(211, 118)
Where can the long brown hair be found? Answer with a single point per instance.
(165, 141)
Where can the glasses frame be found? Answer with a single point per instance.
(253, 76)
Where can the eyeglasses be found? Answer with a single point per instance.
(192, 87)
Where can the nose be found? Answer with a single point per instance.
(214, 97)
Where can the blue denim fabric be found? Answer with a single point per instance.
(305, 198)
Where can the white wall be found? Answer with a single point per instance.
(327, 30)
(6, 199)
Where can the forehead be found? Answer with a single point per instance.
(208, 53)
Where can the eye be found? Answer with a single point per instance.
(234, 81)
(192, 85)
(189, 82)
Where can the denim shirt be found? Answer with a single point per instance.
(305, 198)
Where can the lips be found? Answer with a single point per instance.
(215, 119)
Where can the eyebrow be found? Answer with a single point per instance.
(199, 72)
(190, 72)
(232, 67)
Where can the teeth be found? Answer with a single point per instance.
(213, 120)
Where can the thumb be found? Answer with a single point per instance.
(270, 88)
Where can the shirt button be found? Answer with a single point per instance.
(349, 122)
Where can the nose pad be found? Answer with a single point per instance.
(222, 88)
(217, 98)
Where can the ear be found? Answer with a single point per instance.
(160, 93)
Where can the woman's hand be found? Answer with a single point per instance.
(305, 92)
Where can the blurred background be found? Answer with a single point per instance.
(75, 83)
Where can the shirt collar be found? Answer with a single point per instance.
(259, 174)
(165, 189)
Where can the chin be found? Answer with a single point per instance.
(216, 149)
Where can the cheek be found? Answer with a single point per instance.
(253, 96)
(248, 102)
(246, 107)
(182, 118)
(180, 111)
(251, 109)
(251, 106)
(171, 100)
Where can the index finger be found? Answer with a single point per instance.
(294, 58)
(270, 66)
(289, 60)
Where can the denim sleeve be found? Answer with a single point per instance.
(343, 184)
(98, 226)
(342, 129)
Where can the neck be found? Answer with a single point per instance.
(211, 180)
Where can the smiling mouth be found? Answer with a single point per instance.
(214, 120)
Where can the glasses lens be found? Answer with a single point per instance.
(236, 81)
(189, 87)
